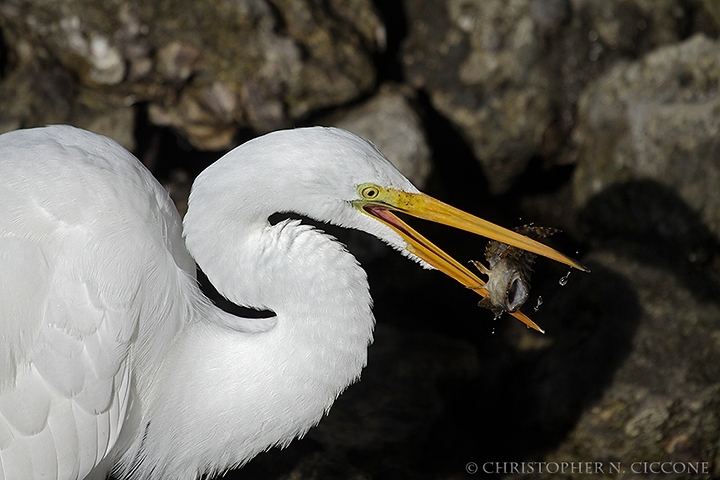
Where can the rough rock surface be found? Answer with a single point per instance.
(390, 122)
(657, 118)
(508, 74)
(205, 68)
(662, 403)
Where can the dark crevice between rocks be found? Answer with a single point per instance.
(540, 177)
(163, 150)
(696, 20)
(387, 61)
(3, 56)
(457, 176)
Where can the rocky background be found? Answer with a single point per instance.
(599, 117)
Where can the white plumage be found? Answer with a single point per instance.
(110, 356)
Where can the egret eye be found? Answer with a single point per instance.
(370, 192)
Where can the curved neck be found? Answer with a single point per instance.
(227, 393)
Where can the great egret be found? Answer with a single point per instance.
(111, 357)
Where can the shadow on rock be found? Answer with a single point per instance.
(647, 221)
(646, 213)
(637, 353)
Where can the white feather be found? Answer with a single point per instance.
(62, 427)
(25, 407)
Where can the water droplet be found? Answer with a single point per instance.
(539, 302)
(563, 280)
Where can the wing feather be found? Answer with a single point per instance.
(20, 311)
(44, 466)
(59, 371)
(62, 426)
(86, 423)
(26, 407)
(90, 253)
(16, 461)
(69, 308)
(6, 435)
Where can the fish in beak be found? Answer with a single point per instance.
(509, 270)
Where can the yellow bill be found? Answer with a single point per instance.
(380, 202)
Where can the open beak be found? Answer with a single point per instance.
(384, 201)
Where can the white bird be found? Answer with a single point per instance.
(110, 356)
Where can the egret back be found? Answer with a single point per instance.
(92, 262)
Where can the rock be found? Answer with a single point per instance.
(91, 112)
(34, 96)
(480, 63)
(662, 401)
(632, 370)
(550, 15)
(659, 119)
(389, 121)
(323, 466)
(649, 213)
(177, 61)
(205, 68)
(508, 74)
(710, 9)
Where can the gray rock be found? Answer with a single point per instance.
(33, 96)
(657, 118)
(389, 121)
(91, 112)
(508, 74)
(325, 466)
(479, 60)
(662, 402)
(205, 68)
